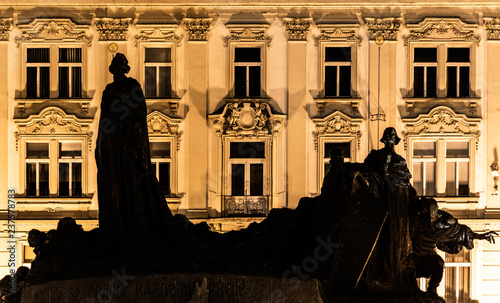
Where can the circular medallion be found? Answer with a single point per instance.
(247, 118)
(113, 47)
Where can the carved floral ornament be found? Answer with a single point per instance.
(441, 121)
(247, 32)
(197, 28)
(436, 28)
(247, 119)
(112, 29)
(161, 124)
(492, 28)
(385, 27)
(157, 33)
(337, 124)
(338, 32)
(297, 28)
(5, 26)
(53, 121)
(53, 30)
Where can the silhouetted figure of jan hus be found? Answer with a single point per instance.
(133, 213)
(433, 228)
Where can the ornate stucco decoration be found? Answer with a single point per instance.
(441, 121)
(5, 26)
(247, 32)
(337, 124)
(157, 33)
(112, 29)
(197, 28)
(492, 28)
(161, 124)
(338, 32)
(438, 28)
(247, 119)
(53, 30)
(386, 27)
(297, 28)
(53, 121)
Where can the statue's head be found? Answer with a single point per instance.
(390, 136)
(119, 65)
(68, 223)
(36, 238)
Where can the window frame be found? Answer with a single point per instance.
(70, 66)
(172, 160)
(441, 160)
(172, 64)
(442, 64)
(322, 64)
(54, 69)
(263, 67)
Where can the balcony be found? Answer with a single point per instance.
(246, 206)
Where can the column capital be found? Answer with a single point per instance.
(197, 28)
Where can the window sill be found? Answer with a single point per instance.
(354, 101)
(173, 203)
(247, 99)
(411, 102)
(22, 102)
(53, 204)
(173, 103)
(454, 199)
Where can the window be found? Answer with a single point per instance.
(62, 66)
(38, 72)
(457, 277)
(424, 167)
(344, 147)
(70, 72)
(66, 163)
(247, 71)
(337, 71)
(247, 161)
(162, 160)
(441, 71)
(37, 169)
(70, 169)
(157, 72)
(441, 161)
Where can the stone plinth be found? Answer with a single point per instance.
(122, 287)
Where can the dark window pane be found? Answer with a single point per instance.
(164, 82)
(70, 149)
(240, 81)
(337, 54)
(330, 81)
(345, 81)
(256, 179)
(70, 55)
(158, 55)
(327, 168)
(464, 81)
(63, 81)
(64, 179)
(38, 55)
(37, 150)
(44, 180)
(44, 82)
(254, 150)
(159, 149)
(76, 180)
(431, 81)
(165, 178)
(237, 179)
(451, 81)
(154, 167)
(247, 54)
(425, 54)
(76, 80)
(418, 81)
(344, 147)
(30, 179)
(254, 85)
(424, 149)
(31, 82)
(150, 81)
(459, 149)
(459, 54)
(418, 179)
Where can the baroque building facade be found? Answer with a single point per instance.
(246, 101)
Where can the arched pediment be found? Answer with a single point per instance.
(442, 29)
(442, 121)
(53, 30)
(161, 124)
(337, 124)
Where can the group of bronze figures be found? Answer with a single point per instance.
(377, 233)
